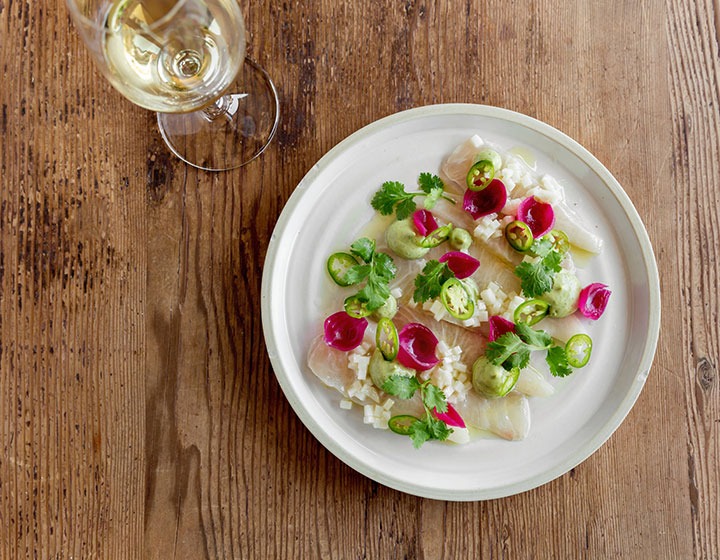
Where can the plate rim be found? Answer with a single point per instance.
(614, 187)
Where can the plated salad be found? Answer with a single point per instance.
(461, 310)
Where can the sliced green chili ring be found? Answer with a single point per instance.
(386, 339)
(338, 264)
(356, 308)
(480, 175)
(402, 423)
(578, 350)
(560, 240)
(519, 235)
(531, 312)
(457, 299)
(434, 238)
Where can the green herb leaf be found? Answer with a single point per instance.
(433, 397)
(427, 429)
(392, 193)
(429, 183)
(419, 433)
(357, 274)
(384, 266)
(541, 247)
(438, 429)
(379, 271)
(536, 278)
(557, 361)
(393, 196)
(405, 209)
(363, 248)
(401, 386)
(428, 284)
(509, 351)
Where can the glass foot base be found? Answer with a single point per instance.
(232, 131)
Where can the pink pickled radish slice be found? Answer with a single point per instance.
(417, 347)
(487, 201)
(424, 222)
(499, 326)
(539, 216)
(451, 417)
(462, 264)
(344, 332)
(593, 300)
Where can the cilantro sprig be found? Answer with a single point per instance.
(536, 278)
(513, 349)
(428, 284)
(393, 196)
(428, 427)
(378, 270)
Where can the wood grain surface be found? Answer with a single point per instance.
(139, 415)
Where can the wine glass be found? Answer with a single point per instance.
(185, 59)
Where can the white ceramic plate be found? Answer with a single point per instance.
(330, 207)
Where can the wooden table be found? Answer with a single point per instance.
(139, 416)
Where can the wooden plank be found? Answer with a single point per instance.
(694, 65)
(139, 416)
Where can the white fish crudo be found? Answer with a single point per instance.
(448, 297)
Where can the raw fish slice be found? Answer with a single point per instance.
(411, 406)
(532, 383)
(330, 365)
(447, 212)
(407, 271)
(492, 269)
(458, 163)
(567, 220)
(507, 417)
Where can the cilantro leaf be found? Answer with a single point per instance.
(433, 397)
(428, 284)
(428, 428)
(357, 274)
(438, 429)
(433, 186)
(393, 193)
(557, 361)
(392, 196)
(536, 278)
(363, 248)
(419, 433)
(384, 266)
(541, 247)
(429, 183)
(405, 209)
(508, 351)
(401, 386)
(378, 270)
(552, 261)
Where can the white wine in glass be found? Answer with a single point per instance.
(185, 59)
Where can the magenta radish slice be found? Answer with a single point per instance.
(499, 326)
(451, 417)
(461, 264)
(539, 216)
(344, 332)
(417, 347)
(593, 300)
(487, 201)
(424, 222)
